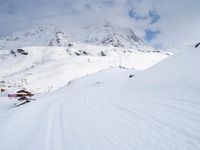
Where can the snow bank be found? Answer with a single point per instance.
(178, 71)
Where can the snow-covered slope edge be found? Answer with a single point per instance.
(42, 69)
(178, 71)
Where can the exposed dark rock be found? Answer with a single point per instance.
(102, 53)
(156, 51)
(85, 53)
(13, 52)
(70, 44)
(77, 54)
(112, 39)
(122, 67)
(81, 52)
(58, 41)
(51, 43)
(21, 51)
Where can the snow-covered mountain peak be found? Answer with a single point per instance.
(104, 34)
(46, 35)
(108, 34)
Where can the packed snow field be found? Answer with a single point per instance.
(100, 97)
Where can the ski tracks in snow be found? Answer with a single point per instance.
(176, 122)
(108, 121)
(97, 119)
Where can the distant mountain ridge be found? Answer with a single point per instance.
(41, 36)
(103, 34)
(109, 35)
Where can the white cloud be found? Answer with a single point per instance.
(179, 19)
(179, 23)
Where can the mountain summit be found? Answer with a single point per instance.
(110, 35)
(48, 35)
(104, 34)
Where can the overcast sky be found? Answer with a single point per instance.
(161, 23)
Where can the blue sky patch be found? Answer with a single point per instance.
(134, 15)
(153, 16)
(150, 35)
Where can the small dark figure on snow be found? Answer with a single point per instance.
(197, 45)
(131, 75)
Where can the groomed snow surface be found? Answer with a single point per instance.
(157, 109)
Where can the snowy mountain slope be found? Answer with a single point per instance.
(48, 35)
(180, 72)
(109, 110)
(42, 69)
(29, 56)
(107, 34)
(176, 49)
(103, 34)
